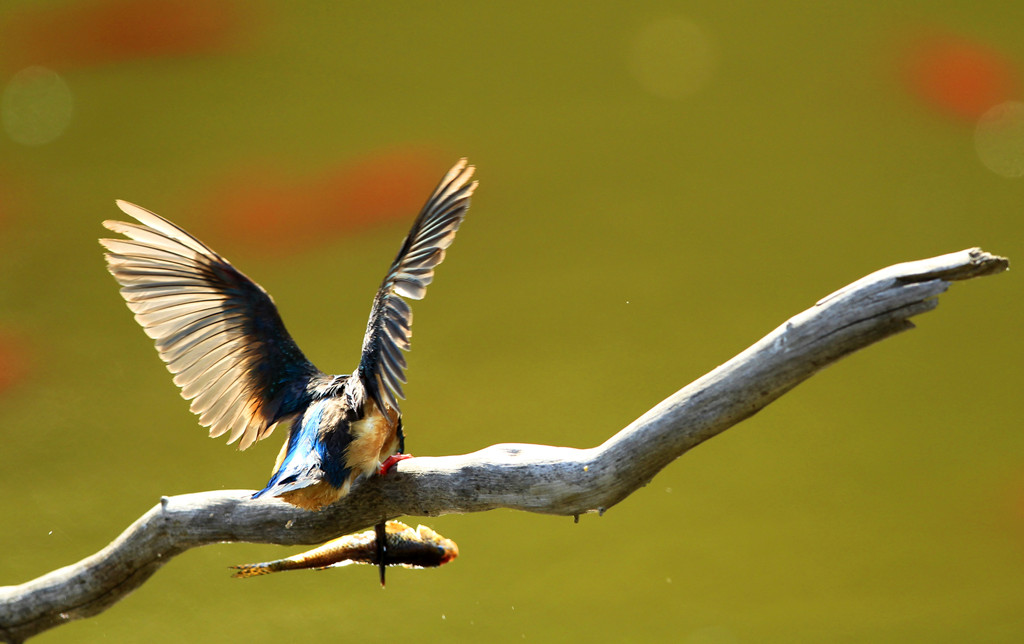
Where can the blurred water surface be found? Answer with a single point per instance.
(661, 184)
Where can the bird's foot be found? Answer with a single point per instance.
(390, 462)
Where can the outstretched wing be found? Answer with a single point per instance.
(389, 328)
(218, 331)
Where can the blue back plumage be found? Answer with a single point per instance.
(308, 458)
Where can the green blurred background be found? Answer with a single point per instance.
(660, 185)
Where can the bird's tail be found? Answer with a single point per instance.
(306, 475)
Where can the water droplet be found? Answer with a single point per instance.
(672, 57)
(999, 139)
(36, 106)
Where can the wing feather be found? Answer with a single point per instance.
(389, 328)
(218, 331)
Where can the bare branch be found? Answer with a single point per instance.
(535, 478)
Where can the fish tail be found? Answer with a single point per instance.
(254, 570)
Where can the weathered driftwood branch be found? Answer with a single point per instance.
(536, 478)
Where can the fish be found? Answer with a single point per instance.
(421, 547)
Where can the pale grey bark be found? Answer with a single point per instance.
(535, 478)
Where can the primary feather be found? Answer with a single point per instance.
(389, 328)
(218, 331)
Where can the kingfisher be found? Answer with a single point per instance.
(222, 338)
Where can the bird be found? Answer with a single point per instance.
(222, 338)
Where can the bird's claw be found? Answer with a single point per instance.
(390, 462)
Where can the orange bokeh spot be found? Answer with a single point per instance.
(105, 31)
(260, 207)
(958, 76)
(14, 360)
